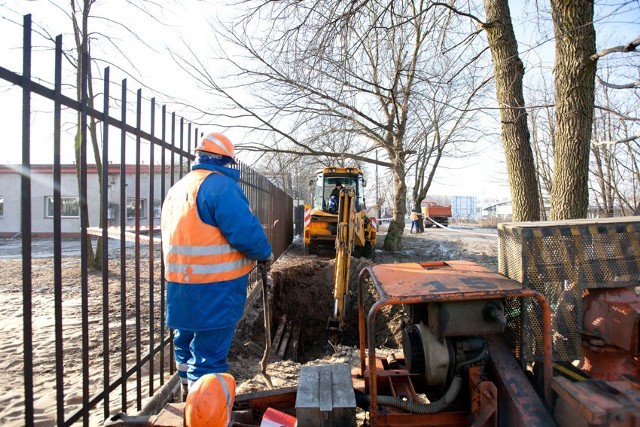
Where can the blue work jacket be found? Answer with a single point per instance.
(221, 203)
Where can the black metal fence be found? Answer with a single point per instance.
(111, 350)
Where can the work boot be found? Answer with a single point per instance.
(185, 392)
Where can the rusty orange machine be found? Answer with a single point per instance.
(453, 352)
(553, 339)
(566, 327)
(589, 271)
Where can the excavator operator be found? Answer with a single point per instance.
(333, 198)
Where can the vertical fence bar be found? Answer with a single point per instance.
(173, 146)
(162, 193)
(25, 223)
(84, 283)
(189, 146)
(57, 235)
(137, 252)
(172, 181)
(123, 250)
(152, 212)
(196, 140)
(181, 147)
(104, 202)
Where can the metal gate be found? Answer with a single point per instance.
(111, 348)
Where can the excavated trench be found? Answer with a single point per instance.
(302, 298)
(301, 288)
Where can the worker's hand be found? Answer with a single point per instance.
(267, 262)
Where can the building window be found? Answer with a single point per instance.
(131, 208)
(1, 207)
(157, 208)
(69, 207)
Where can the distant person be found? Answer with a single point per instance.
(210, 240)
(415, 221)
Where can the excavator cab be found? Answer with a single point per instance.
(324, 185)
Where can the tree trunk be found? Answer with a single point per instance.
(396, 227)
(82, 46)
(574, 87)
(509, 72)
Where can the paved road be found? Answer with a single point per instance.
(460, 232)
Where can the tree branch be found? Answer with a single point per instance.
(614, 86)
(620, 141)
(617, 113)
(629, 47)
(481, 23)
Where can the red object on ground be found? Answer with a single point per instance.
(275, 418)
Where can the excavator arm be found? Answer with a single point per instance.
(348, 223)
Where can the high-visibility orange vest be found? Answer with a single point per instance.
(196, 252)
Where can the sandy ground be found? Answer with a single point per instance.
(43, 335)
(300, 286)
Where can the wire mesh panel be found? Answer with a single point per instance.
(562, 260)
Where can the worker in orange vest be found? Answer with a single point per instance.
(210, 242)
(415, 221)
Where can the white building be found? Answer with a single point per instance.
(42, 197)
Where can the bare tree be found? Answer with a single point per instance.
(80, 21)
(446, 122)
(80, 12)
(338, 80)
(542, 125)
(614, 174)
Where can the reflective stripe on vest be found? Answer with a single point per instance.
(196, 252)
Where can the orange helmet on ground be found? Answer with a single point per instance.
(210, 401)
(216, 143)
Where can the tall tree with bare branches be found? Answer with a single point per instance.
(509, 73)
(334, 79)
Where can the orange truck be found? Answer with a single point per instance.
(433, 211)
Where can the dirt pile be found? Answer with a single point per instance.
(301, 291)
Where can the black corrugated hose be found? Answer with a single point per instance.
(425, 408)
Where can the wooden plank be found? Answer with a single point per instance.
(278, 336)
(595, 402)
(295, 343)
(261, 400)
(285, 341)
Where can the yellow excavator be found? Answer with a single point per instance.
(337, 218)
(321, 215)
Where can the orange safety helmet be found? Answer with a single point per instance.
(210, 401)
(216, 143)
